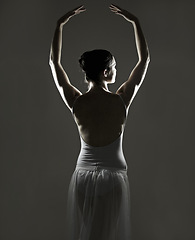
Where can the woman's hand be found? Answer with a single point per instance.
(127, 15)
(64, 19)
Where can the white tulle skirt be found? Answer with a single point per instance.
(98, 206)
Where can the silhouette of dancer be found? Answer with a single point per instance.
(99, 194)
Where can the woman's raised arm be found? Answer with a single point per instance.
(129, 88)
(67, 91)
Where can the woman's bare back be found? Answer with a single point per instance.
(100, 117)
(99, 114)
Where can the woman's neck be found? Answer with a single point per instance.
(101, 86)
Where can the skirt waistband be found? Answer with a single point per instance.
(97, 168)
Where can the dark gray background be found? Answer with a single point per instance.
(39, 139)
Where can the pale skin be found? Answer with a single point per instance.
(127, 90)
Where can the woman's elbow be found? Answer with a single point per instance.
(53, 64)
(146, 59)
(148, 55)
(50, 63)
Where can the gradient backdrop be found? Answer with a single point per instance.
(40, 141)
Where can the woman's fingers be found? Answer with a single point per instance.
(122, 12)
(64, 19)
(80, 9)
(76, 10)
(115, 7)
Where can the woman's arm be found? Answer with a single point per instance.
(67, 91)
(129, 88)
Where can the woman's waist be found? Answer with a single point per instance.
(108, 152)
(94, 160)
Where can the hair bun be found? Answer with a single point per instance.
(95, 61)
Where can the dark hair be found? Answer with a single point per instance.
(95, 61)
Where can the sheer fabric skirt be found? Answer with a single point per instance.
(98, 206)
